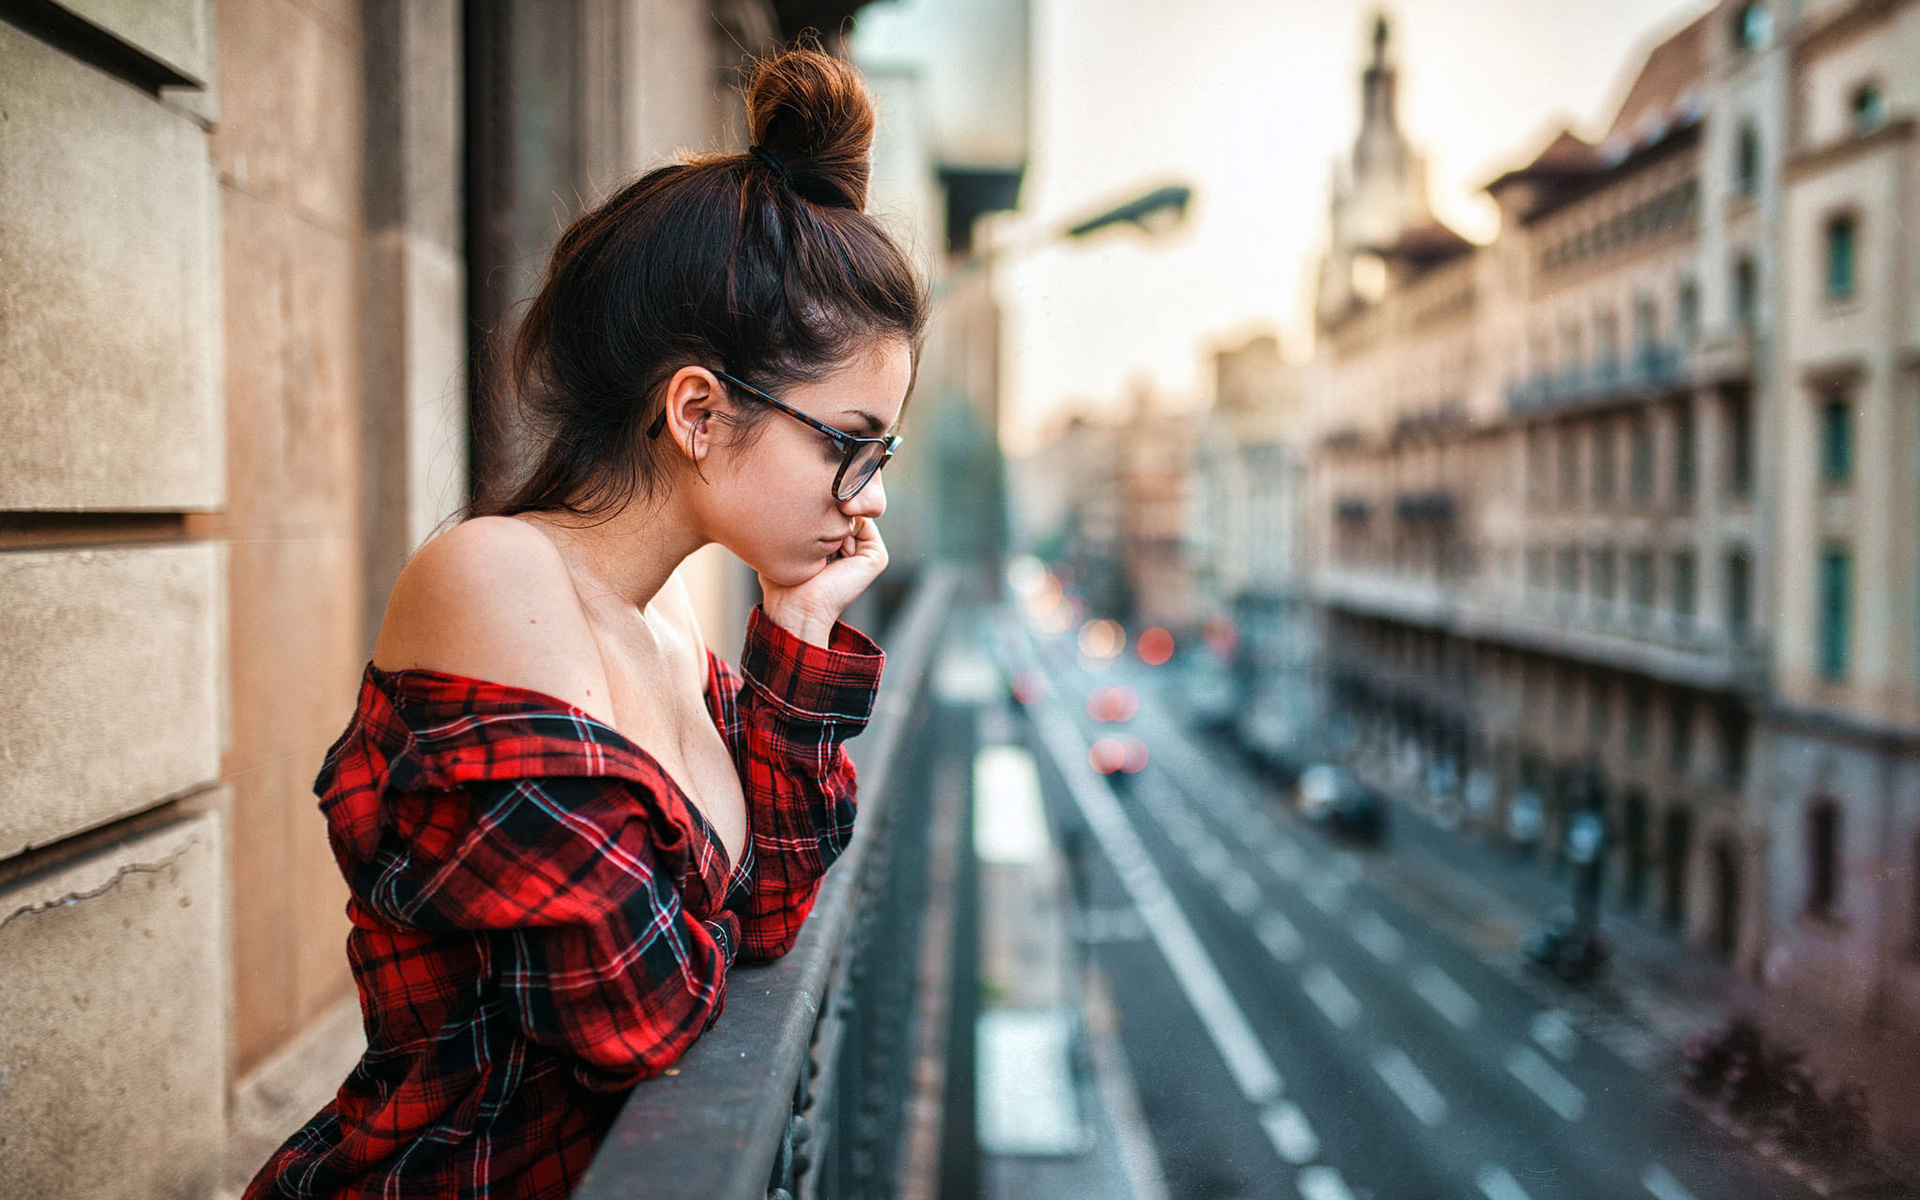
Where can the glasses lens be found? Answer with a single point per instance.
(868, 459)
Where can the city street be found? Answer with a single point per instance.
(1297, 1026)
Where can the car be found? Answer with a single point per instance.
(1329, 795)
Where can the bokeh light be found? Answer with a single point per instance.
(1113, 704)
(1154, 646)
(1102, 639)
(1107, 755)
(1133, 756)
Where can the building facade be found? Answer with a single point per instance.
(1619, 512)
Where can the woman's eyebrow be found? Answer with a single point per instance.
(874, 424)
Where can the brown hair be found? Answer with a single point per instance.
(762, 264)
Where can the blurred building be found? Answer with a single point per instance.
(1246, 539)
(1621, 512)
(953, 81)
(252, 253)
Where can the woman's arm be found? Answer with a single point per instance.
(784, 716)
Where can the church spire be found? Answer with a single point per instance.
(1377, 85)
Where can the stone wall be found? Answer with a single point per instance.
(114, 1050)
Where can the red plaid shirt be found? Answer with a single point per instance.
(541, 918)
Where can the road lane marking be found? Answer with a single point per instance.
(1193, 969)
(1555, 1033)
(1422, 1099)
(1663, 1185)
(1279, 936)
(1327, 895)
(1496, 1184)
(1545, 1082)
(1330, 996)
(1240, 892)
(1286, 862)
(1448, 998)
(1378, 938)
(1293, 1139)
(1321, 1183)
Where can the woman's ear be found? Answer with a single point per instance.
(693, 397)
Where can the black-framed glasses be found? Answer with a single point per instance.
(861, 457)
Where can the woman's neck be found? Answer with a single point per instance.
(627, 557)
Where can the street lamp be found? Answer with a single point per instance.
(1155, 212)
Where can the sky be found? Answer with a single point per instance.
(1250, 102)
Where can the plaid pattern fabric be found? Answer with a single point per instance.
(541, 918)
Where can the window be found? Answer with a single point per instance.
(1640, 587)
(1646, 324)
(1836, 441)
(1640, 458)
(1537, 570)
(1679, 732)
(1823, 858)
(1746, 291)
(1868, 108)
(1569, 463)
(1753, 26)
(1685, 458)
(1683, 591)
(1738, 411)
(1836, 611)
(1563, 697)
(1739, 595)
(1636, 721)
(1538, 464)
(1840, 258)
(1735, 727)
(1746, 161)
(1601, 579)
(1603, 464)
(1599, 707)
(1569, 571)
(1606, 346)
(1689, 316)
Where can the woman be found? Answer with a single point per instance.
(561, 817)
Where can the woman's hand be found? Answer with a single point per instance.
(808, 610)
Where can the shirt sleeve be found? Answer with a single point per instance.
(576, 884)
(784, 715)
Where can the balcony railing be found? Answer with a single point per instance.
(1650, 369)
(800, 1088)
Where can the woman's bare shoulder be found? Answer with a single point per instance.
(492, 599)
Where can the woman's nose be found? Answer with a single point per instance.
(869, 501)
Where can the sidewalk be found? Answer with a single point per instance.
(1058, 1116)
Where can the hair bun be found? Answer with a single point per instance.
(811, 111)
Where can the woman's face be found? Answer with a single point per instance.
(769, 497)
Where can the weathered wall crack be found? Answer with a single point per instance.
(72, 898)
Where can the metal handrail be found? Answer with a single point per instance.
(723, 1125)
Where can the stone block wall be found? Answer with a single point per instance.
(114, 997)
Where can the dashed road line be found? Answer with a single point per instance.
(1321, 1183)
(1240, 892)
(1332, 997)
(1378, 938)
(1543, 1081)
(1213, 1002)
(1327, 895)
(1287, 862)
(1293, 1139)
(1663, 1185)
(1279, 936)
(1554, 1033)
(1445, 996)
(1496, 1184)
(1415, 1091)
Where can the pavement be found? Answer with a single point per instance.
(1304, 1020)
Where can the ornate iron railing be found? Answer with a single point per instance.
(799, 1090)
